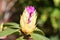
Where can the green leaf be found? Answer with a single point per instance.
(7, 32)
(12, 25)
(38, 37)
(38, 31)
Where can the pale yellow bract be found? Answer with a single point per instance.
(25, 27)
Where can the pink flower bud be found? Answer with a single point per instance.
(28, 20)
(30, 10)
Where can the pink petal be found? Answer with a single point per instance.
(30, 10)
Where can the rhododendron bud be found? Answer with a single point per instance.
(28, 20)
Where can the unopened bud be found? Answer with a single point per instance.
(28, 20)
